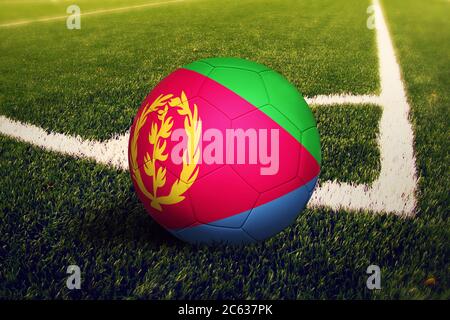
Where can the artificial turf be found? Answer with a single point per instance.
(421, 33)
(56, 210)
(76, 81)
(23, 10)
(348, 136)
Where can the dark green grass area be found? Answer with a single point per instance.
(57, 211)
(348, 137)
(90, 82)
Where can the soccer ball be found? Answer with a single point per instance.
(224, 150)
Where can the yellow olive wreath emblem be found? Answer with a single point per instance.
(158, 133)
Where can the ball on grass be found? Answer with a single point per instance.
(224, 150)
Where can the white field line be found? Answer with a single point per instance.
(392, 192)
(111, 152)
(89, 13)
(114, 151)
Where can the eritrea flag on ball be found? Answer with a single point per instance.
(224, 150)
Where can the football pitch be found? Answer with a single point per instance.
(375, 74)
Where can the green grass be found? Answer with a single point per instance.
(21, 10)
(348, 136)
(56, 210)
(76, 81)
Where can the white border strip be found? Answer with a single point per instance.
(112, 152)
(394, 190)
(342, 99)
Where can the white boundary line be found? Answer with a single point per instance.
(89, 13)
(394, 190)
